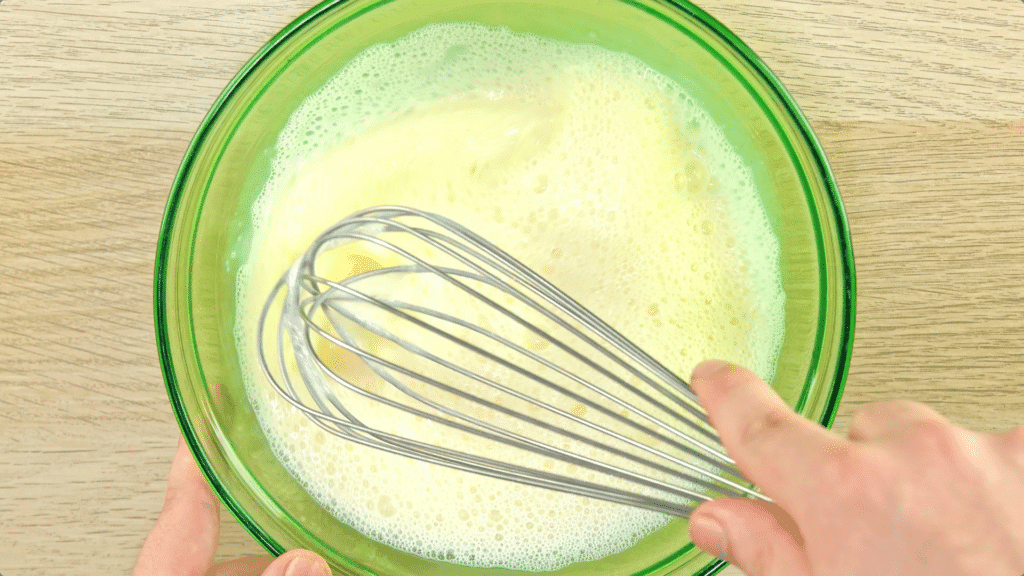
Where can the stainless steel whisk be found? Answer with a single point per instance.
(407, 312)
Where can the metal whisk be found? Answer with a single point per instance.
(404, 331)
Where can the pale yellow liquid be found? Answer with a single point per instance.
(586, 165)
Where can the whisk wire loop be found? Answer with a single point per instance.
(514, 269)
(350, 428)
(381, 367)
(387, 321)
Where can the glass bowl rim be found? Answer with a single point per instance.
(831, 194)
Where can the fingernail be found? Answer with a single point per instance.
(304, 565)
(709, 534)
(707, 369)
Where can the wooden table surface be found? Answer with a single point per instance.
(919, 106)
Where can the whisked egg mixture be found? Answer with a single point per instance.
(588, 166)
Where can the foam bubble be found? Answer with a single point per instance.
(585, 164)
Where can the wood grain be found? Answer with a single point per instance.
(919, 106)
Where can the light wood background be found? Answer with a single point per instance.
(919, 106)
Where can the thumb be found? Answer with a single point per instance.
(758, 537)
(298, 563)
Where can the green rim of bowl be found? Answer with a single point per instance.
(835, 206)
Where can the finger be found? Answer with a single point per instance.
(1011, 445)
(881, 419)
(250, 566)
(298, 563)
(773, 446)
(184, 540)
(759, 537)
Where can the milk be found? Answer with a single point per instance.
(589, 167)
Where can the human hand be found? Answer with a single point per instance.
(184, 540)
(908, 493)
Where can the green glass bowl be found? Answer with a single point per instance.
(205, 234)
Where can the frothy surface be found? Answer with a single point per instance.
(585, 164)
